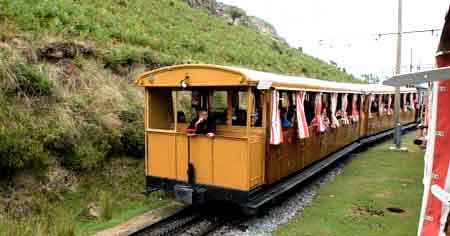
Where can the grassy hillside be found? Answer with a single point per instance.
(68, 105)
(156, 33)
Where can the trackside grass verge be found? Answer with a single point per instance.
(100, 200)
(358, 201)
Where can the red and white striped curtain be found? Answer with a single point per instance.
(380, 105)
(303, 131)
(405, 107)
(355, 112)
(334, 120)
(344, 103)
(389, 109)
(411, 101)
(318, 113)
(276, 134)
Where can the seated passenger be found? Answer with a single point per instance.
(202, 125)
(285, 122)
(325, 119)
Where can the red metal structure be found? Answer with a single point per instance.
(435, 208)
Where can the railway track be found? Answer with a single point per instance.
(194, 221)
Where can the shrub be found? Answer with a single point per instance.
(120, 59)
(25, 79)
(81, 149)
(19, 149)
(132, 138)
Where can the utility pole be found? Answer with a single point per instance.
(398, 125)
(411, 62)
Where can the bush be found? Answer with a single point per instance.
(19, 149)
(84, 148)
(121, 59)
(24, 79)
(132, 139)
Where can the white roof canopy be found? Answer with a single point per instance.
(285, 82)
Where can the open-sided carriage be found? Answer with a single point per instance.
(253, 157)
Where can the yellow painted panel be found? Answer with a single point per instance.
(197, 76)
(182, 157)
(202, 159)
(257, 154)
(231, 163)
(161, 151)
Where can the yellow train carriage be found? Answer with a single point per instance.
(239, 164)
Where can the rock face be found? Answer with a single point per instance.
(236, 16)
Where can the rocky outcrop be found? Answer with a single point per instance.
(210, 5)
(236, 16)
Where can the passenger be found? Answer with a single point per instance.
(325, 119)
(202, 125)
(285, 122)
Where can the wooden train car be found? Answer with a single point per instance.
(272, 131)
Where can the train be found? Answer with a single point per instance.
(272, 131)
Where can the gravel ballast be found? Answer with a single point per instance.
(268, 220)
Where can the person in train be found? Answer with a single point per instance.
(325, 119)
(202, 125)
(285, 122)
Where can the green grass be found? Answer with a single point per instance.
(122, 181)
(355, 203)
(156, 33)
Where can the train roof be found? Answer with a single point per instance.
(231, 75)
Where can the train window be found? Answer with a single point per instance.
(402, 101)
(326, 109)
(185, 111)
(239, 109)
(309, 106)
(326, 101)
(386, 103)
(338, 107)
(161, 115)
(256, 116)
(287, 109)
(374, 105)
(349, 104)
(219, 106)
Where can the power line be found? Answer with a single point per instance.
(434, 31)
(412, 32)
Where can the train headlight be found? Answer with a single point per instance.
(185, 82)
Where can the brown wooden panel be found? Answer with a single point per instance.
(257, 158)
(311, 147)
(273, 165)
(301, 149)
(288, 160)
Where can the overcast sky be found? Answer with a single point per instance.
(346, 31)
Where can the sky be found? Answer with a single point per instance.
(346, 32)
